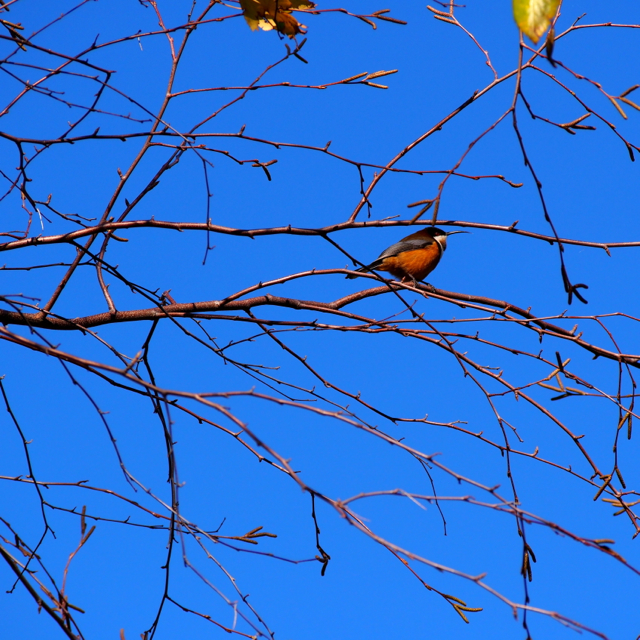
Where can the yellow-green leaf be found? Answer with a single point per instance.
(533, 17)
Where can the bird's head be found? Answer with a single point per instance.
(440, 236)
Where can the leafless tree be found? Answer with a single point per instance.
(150, 360)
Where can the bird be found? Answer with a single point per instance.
(413, 258)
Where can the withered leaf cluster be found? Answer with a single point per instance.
(275, 14)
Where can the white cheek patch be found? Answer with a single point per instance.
(442, 241)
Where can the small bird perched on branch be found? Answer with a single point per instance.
(414, 257)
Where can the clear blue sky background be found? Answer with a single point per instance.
(592, 190)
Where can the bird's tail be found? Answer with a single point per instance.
(367, 269)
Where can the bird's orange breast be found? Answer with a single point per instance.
(416, 264)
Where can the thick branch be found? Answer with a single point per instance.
(191, 309)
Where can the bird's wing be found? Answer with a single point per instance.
(408, 244)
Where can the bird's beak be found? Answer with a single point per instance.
(450, 233)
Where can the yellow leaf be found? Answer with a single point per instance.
(533, 17)
(250, 9)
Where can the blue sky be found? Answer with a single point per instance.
(592, 192)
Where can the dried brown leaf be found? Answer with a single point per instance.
(275, 14)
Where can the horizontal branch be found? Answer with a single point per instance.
(43, 320)
(289, 230)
